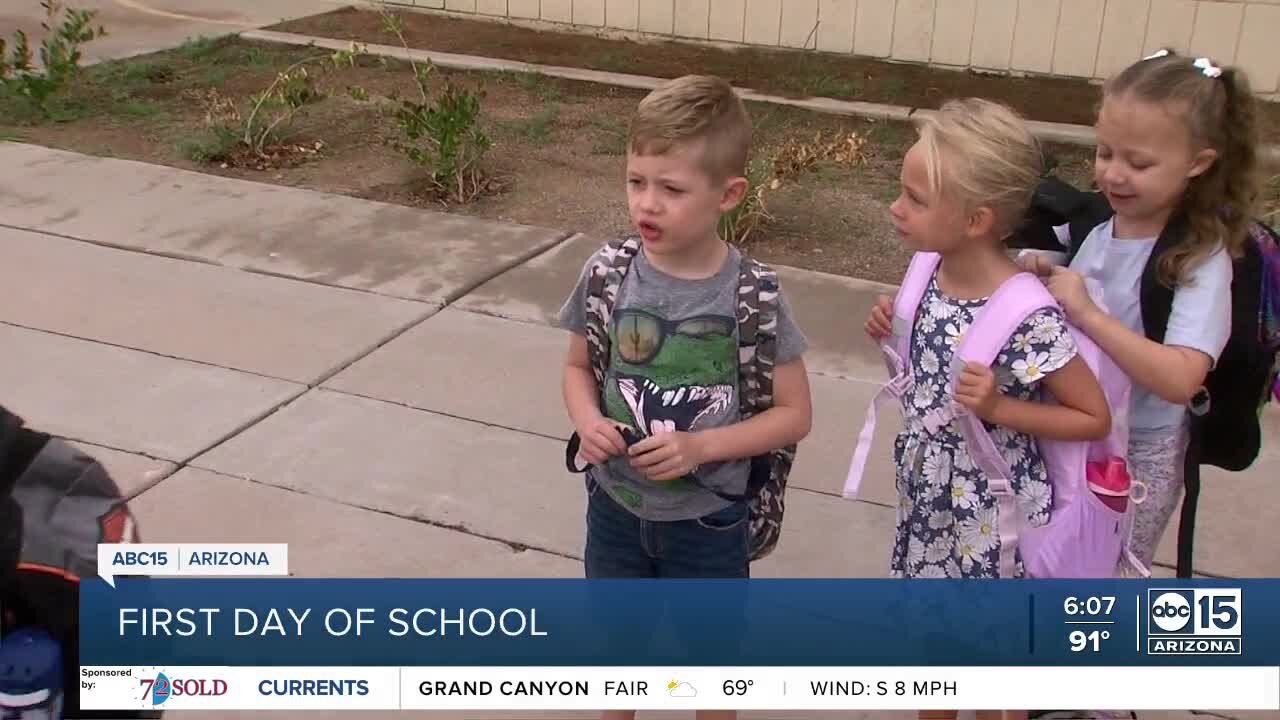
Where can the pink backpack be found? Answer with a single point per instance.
(1084, 538)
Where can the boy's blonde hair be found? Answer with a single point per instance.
(982, 153)
(695, 108)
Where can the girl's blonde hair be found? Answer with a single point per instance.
(982, 153)
(1218, 107)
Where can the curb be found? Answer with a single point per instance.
(1046, 131)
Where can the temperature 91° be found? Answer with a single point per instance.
(1087, 640)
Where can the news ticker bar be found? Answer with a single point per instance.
(678, 688)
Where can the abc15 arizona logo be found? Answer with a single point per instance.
(1194, 622)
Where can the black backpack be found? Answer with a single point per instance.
(1226, 427)
(56, 504)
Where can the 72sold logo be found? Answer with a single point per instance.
(161, 688)
(1201, 622)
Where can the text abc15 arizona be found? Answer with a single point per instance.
(1194, 622)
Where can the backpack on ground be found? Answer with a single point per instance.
(757, 314)
(60, 504)
(1084, 538)
(1226, 422)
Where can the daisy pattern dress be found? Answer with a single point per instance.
(946, 519)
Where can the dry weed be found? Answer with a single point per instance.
(787, 164)
(219, 110)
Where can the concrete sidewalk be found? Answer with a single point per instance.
(137, 27)
(319, 348)
(266, 364)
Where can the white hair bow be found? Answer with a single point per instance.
(1208, 68)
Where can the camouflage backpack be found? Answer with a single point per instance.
(757, 315)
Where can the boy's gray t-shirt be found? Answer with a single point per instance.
(674, 366)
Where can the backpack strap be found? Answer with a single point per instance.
(1013, 302)
(757, 314)
(1154, 297)
(1155, 300)
(1016, 300)
(1267, 241)
(897, 356)
(1190, 500)
(605, 280)
(907, 302)
(603, 286)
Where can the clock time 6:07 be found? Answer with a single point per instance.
(1088, 606)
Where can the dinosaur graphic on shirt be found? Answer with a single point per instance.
(672, 375)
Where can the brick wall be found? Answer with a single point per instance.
(1080, 38)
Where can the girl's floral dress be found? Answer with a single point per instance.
(946, 520)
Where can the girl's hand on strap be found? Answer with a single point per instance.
(1036, 264)
(880, 325)
(1068, 288)
(976, 390)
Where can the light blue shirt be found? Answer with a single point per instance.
(1200, 318)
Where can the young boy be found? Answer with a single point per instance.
(653, 508)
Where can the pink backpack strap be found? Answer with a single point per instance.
(1013, 302)
(897, 354)
(1016, 300)
(897, 386)
(907, 302)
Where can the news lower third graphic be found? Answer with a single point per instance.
(648, 688)
(252, 641)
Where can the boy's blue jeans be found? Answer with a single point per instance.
(621, 545)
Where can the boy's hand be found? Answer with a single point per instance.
(976, 390)
(880, 325)
(600, 441)
(667, 456)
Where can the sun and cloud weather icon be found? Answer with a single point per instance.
(681, 690)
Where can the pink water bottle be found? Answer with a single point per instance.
(1110, 481)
